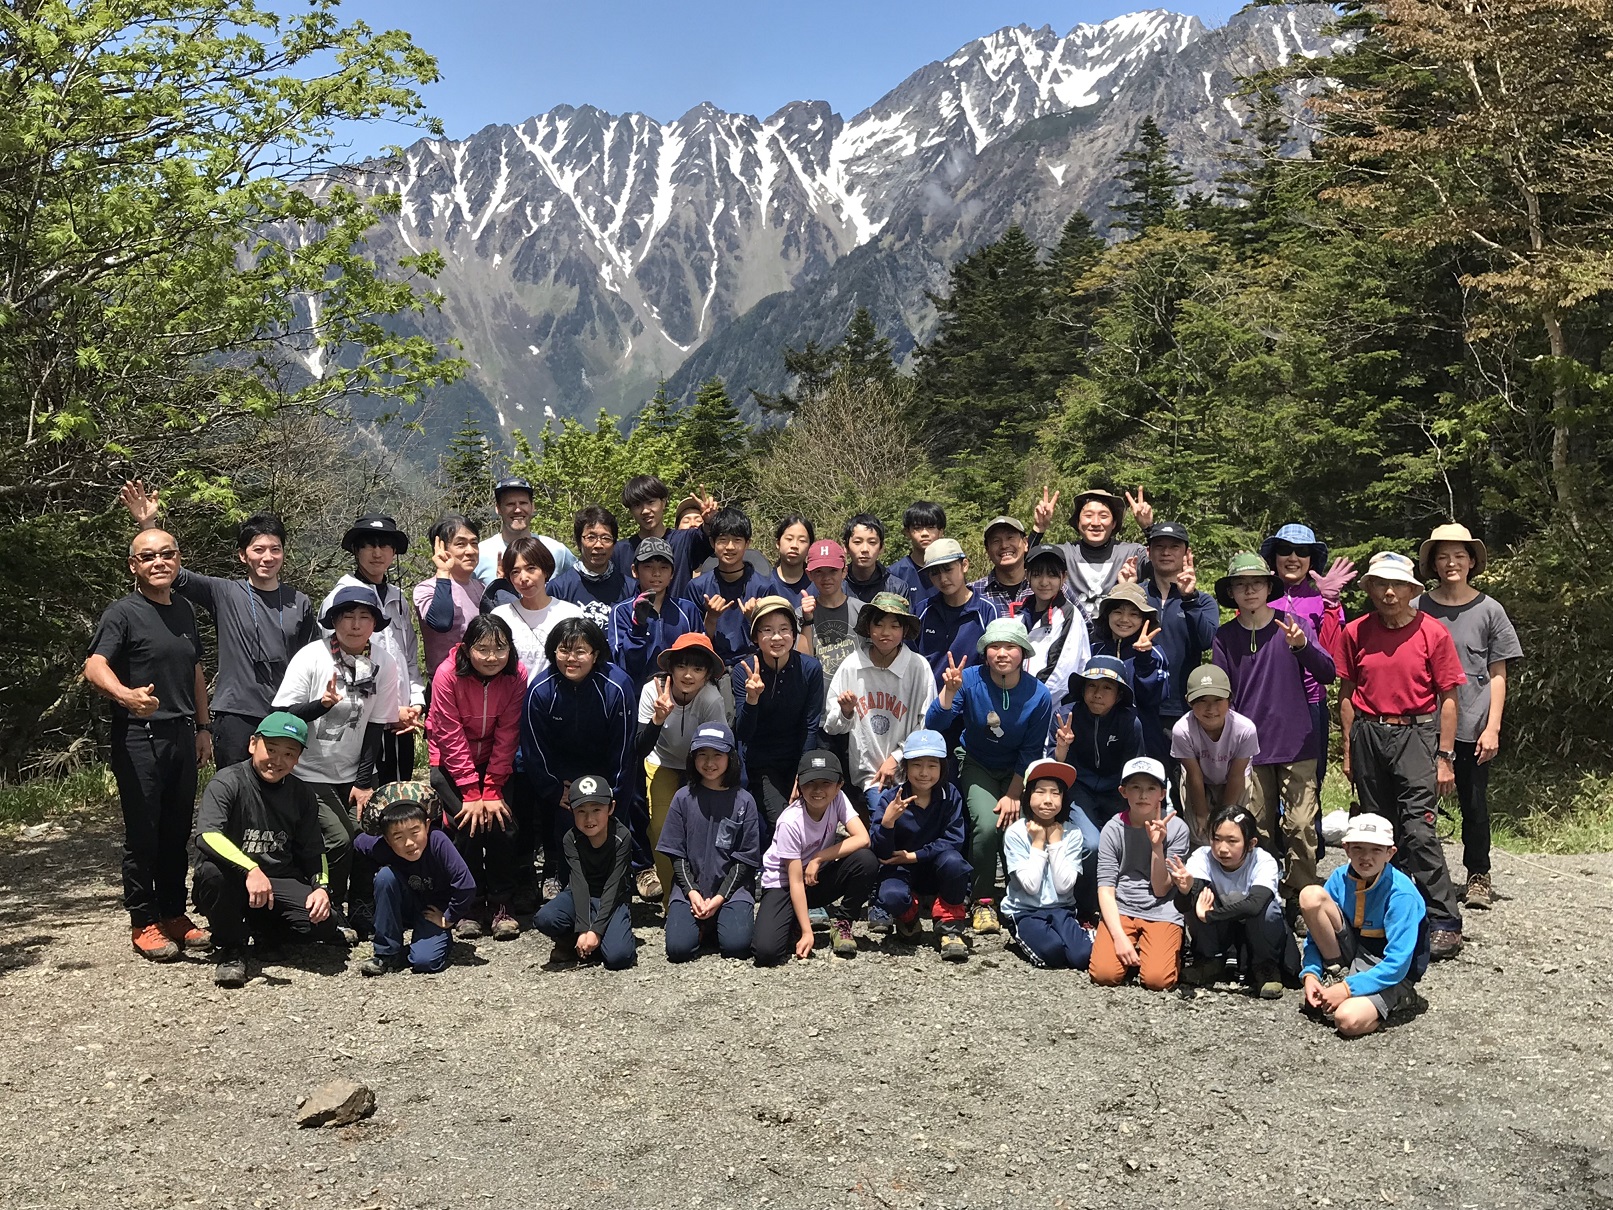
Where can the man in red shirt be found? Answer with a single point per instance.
(1398, 675)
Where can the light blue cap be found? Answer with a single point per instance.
(924, 743)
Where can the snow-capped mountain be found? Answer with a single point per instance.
(590, 254)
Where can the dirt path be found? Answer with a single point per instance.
(888, 1080)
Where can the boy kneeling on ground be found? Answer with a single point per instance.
(260, 866)
(590, 918)
(422, 884)
(1368, 940)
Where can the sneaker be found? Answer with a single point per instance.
(908, 927)
(1204, 972)
(184, 932)
(468, 929)
(1479, 894)
(1444, 943)
(1268, 983)
(551, 889)
(844, 944)
(880, 922)
(361, 918)
(1332, 973)
(505, 927)
(984, 918)
(819, 917)
(953, 948)
(151, 942)
(231, 969)
(564, 951)
(344, 930)
(375, 964)
(648, 883)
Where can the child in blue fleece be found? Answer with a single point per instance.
(1097, 730)
(918, 836)
(1368, 934)
(421, 883)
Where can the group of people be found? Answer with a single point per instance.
(755, 748)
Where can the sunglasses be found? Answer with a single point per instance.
(1288, 548)
(168, 554)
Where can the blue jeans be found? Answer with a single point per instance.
(945, 877)
(735, 922)
(398, 908)
(1052, 937)
(617, 949)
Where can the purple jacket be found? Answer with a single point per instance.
(1268, 687)
(1305, 601)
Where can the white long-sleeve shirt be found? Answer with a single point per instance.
(398, 640)
(1040, 878)
(891, 704)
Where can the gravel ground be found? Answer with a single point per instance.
(887, 1080)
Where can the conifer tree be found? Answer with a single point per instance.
(718, 439)
(467, 468)
(1248, 186)
(1151, 180)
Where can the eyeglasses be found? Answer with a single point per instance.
(167, 554)
(491, 652)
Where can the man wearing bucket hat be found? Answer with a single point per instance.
(1485, 642)
(778, 707)
(376, 543)
(880, 694)
(1006, 586)
(1005, 716)
(1398, 679)
(347, 690)
(260, 862)
(954, 616)
(1095, 560)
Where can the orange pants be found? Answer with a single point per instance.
(1158, 944)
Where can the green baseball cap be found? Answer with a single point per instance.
(283, 725)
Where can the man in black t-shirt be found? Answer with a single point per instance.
(146, 655)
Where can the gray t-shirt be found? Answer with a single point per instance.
(833, 636)
(1124, 860)
(258, 633)
(1483, 635)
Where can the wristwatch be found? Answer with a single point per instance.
(207, 727)
(1450, 756)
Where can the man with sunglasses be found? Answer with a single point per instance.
(146, 656)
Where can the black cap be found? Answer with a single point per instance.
(1050, 553)
(819, 765)
(1168, 529)
(654, 548)
(513, 484)
(590, 788)
(377, 526)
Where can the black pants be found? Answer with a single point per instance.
(221, 897)
(154, 764)
(1395, 777)
(771, 790)
(230, 735)
(843, 887)
(396, 762)
(489, 854)
(1473, 796)
(352, 875)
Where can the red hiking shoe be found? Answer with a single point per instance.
(151, 942)
(185, 933)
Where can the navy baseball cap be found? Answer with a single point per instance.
(1169, 529)
(513, 484)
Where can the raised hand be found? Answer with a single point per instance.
(952, 675)
(1042, 516)
(708, 503)
(332, 694)
(1334, 582)
(716, 606)
(142, 505)
(1065, 735)
(1140, 508)
(440, 558)
(1145, 638)
(143, 702)
(1156, 832)
(1128, 571)
(643, 606)
(1293, 631)
(848, 703)
(896, 808)
(1178, 872)
(663, 700)
(748, 607)
(1187, 580)
(753, 681)
(809, 607)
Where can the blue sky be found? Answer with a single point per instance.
(505, 60)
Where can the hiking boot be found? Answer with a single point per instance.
(468, 929)
(844, 944)
(505, 927)
(984, 919)
(231, 969)
(152, 943)
(953, 948)
(1479, 894)
(880, 922)
(185, 933)
(908, 927)
(1204, 972)
(376, 964)
(1268, 983)
(564, 951)
(551, 889)
(649, 886)
(818, 917)
(344, 930)
(1444, 943)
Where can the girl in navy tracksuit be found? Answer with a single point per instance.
(1096, 729)
(918, 836)
(1126, 627)
(578, 718)
(778, 708)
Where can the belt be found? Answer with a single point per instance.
(185, 723)
(1401, 720)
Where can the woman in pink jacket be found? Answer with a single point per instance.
(475, 720)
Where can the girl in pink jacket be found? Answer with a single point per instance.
(471, 732)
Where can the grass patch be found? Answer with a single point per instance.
(42, 798)
(1542, 809)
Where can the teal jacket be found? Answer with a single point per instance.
(1387, 919)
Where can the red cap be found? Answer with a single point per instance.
(826, 554)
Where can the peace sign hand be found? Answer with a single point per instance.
(1065, 736)
(708, 503)
(663, 700)
(1145, 638)
(1140, 508)
(1293, 631)
(952, 675)
(440, 558)
(1178, 872)
(1043, 513)
(753, 681)
(896, 808)
(1187, 580)
(1128, 571)
(332, 694)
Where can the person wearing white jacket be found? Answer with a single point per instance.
(1060, 643)
(880, 693)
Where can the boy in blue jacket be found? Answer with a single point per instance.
(723, 594)
(421, 882)
(1005, 714)
(1097, 730)
(644, 626)
(918, 836)
(1368, 934)
(954, 616)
